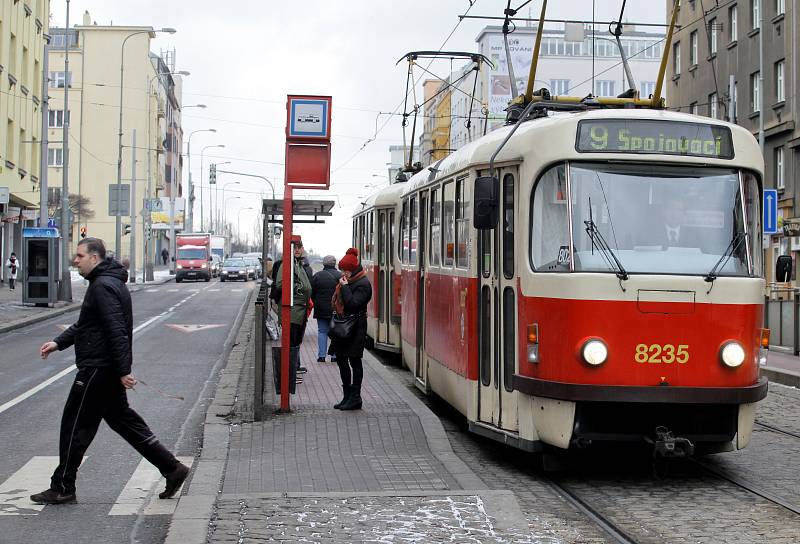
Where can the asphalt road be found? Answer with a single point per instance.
(182, 336)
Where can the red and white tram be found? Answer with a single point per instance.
(620, 297)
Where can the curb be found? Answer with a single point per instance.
(71, 306)
(434, 431)
(781, 376)
(189, 524)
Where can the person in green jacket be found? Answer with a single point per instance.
(302, 298)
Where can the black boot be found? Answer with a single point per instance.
(353, 402)
(345, 396)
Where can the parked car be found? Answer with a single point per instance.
(235, 269)
(256, 264)
(216, 265)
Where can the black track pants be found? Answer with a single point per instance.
(345, 363)
(97, 395)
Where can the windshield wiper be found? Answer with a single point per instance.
(597, 239)
(736, 241)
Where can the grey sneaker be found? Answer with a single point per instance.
(51, 496)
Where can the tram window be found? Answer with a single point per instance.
(753, 204)
(550, 222)
(448, 224)
(391, 240)
(435, 246)
(404, 233)
(413, 233)
(381, 235)
(509, 338)
(508, 226)
(486, 337)
(462, 223)
(370, 234)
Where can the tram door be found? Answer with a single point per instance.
(497, 309)
(418, 230)
(384, 279)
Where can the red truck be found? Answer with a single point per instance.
(194, 257)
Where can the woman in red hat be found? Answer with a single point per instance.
(351, 297)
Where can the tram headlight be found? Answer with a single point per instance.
(732, 354)
(595, 352)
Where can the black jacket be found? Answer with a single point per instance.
(355, 297)
(323, 284)
(103, 334)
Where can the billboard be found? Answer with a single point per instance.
(521, 49)
(159, 213)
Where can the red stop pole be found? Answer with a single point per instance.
(287, 266)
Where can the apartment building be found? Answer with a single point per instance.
(23, 31)
(150, 110)
(715, 70)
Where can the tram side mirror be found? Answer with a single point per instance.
(783, 268)
(484, 214)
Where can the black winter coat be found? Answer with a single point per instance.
(323, 284)
(103, 334)
(355, 297)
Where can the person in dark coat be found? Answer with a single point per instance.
(350, 299)
(323, 285)
(103, 340)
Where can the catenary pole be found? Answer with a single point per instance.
(65, 287)
(132, 271)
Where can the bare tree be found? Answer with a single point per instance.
(79, 205)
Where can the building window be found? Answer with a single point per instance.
(712, 105)
(755, 13)
(693, 109)
(559, 87)
(780, 7)
(55, 156)
(604, 87)
(693, 48)
(780, 180)
(57, 79)
(754, 92)
(676, 58)
(53, 196)
(712, 31)
(647, 88)
(780, 70)
(55, 118)
(732, 18)
(734, 110)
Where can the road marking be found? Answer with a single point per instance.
(141, 491)
(33, 390)
(212, 290)
(172, 290)
(194, 328)
(32, 478)
(236, 290)
(152, 290)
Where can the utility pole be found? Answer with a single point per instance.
(65, 287)
(132, 271)
(43, 216)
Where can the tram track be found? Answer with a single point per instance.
(778, 430)
(603, 522)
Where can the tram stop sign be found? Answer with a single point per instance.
(308, 141)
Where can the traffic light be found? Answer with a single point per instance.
(212, 175)
(83, 232)
(127, 229)
(148, 229)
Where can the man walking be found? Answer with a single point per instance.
(323, 284)
(103, 339)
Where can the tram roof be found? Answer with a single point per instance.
(385, 197)
(552, 139)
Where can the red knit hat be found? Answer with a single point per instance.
(350, 260)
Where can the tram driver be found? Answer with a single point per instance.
(670, 229)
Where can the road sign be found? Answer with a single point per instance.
(5, 195)
(770, 218)
(119, 204)
(39, 232)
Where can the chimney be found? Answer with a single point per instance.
(87, 19)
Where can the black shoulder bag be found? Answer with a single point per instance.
(342, 327)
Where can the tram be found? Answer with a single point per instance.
(584, 275)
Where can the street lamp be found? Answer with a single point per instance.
(118, 238)
(202, 151)
(225, 204)
(190, 225)
(148, 261)
(214, 195)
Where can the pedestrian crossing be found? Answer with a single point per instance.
(140, 494)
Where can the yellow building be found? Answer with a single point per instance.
(23, 26)
(150, 108)
(440, 137)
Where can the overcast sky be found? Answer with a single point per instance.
(246, 56)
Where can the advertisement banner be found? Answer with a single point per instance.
(12, 214)
(29, 215)
(521, 49)
(159, 213)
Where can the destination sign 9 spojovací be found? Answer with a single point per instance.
(649, 136)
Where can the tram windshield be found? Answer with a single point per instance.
(651, 219)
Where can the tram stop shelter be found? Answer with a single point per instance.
(267, 367)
